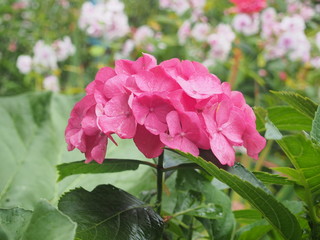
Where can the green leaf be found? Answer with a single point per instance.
(315, 132)
(302, 104)
(188, 184)
(277, 214)
(250, 214)
(269, 178)
(108, 166)
(291, 172)
(287, 118)
(209, 211)
(248, 176)
(32, 144)
(110, 213)
(304, 155)
(44, 223)
(253, 231)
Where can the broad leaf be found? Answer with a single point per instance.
(315, 132)
(305, 156)
(247, 214)
(291, 172)
(276, 213)
(110, 213)
(269, 178)
(44, 223)
(108, 166)
(302, 104)
(32, 144)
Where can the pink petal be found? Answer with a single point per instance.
(223, 110)
(115, 86)
(201, 86)
(222, 149)
(149, 144)
(173, 122)
(118, 118)
(234, 128)
(89, 122)
(96, 148)
(180, 143)
(102, 76)
(253, 142)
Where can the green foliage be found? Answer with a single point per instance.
(302, 104)
(277, 214)
(110, 213)
(315, 132)
(44, 223)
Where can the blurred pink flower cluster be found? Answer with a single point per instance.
(249, 6)
(177, 104)
(45, 60)
(182, 6)
(104, 19)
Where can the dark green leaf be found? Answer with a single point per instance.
(45, 223)
(269, 178)
(302, 104)
(110, 213)
(315, 132)
(108, 166)
(209, 211)
(250, 214)
(275, 212)
(248, 176)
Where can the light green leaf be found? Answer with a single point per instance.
(32, 144)
(302, 104)
(110, 213)
(287, 118)
(305, 156)
(45, 223)
(291, 172)
(315, 132)
(208, 211)
(276, 213)
(269, 178)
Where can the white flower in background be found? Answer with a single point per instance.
(51, 83)
(246, 24)
(105, 19)
(220, 44)
(142, 34)
(64, 48)
(45, 57)
(302, 8)
(127, 48)
(24, 64)
(181, 6)
(226, 31)
(184, 32)
(268, 15)
(294, 23)
(200, 31)
(177, 6)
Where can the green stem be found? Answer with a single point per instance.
(159, 183)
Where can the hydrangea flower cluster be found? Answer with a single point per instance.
(104, 19)
(177, 104)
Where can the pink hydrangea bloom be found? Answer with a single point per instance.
(177, 104)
